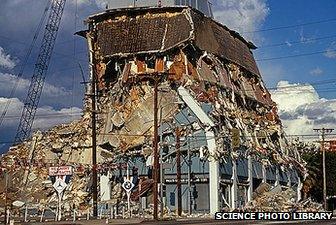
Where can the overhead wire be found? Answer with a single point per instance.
(278, 28)
(25, 62)
(295, 55)
(292, 26)
(74, 54)
(291, 42)
(204, 138)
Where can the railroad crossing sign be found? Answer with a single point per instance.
(59, 185)
(128, 185)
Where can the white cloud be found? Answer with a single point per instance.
(7, 81)
(81, 2)
(45, 118)
(48, 116)
(6, 60)
(301, 109)
(242, 15)
(316, 71)
(290, 96)
(288, 44)
(305, 39)
(331, 51)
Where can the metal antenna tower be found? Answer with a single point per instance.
(40, 70)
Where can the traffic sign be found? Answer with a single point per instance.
(59, 185)
(128, 185)
(60, 170)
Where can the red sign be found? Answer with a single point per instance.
(60, 171)
(332, 145)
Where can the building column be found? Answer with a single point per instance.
(263, 169)
(213, 174)
(277, 176)
(289, 183)
(299, 189)
(234, 187)
(250, 178)
(105, 187)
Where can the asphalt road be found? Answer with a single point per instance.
(185, 222)
(218, 222)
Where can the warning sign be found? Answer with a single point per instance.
(60, 171)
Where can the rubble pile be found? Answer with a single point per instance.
(27, 165)
(266, 199)
(224, 77)
(176, 48)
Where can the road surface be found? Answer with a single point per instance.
(184, 222)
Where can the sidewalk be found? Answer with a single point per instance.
(88, 222)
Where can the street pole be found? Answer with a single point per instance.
(155, 152)
(6, 191)
(189, 178)
(94, 141)
(323, 131)
(178, 173)
(59, 213)
(161, 161)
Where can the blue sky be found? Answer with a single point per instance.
(306, 68)
(63, 93)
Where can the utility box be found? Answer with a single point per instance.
(202, 5)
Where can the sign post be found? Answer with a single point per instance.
(60, 173)
(128, 186)
(59, 186)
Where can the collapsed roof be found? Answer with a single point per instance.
(146, 30)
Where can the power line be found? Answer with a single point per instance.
(203, 138)
(46, 115)
(56, 53)
(321, 82)
(294, 56)
(296, 42)
(25, 62)
(292, 26)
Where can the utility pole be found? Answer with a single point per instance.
(189, 178)
(6, 192)
(155, 152)
(323, 132)
(94, 134)
(161, 166)
(178, 172)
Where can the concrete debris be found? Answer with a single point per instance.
(267, 199)
(179, 48)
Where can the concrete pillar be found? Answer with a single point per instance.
(277, 176)
(289, 183)
(234, 187)
(264, 178)
(250, 178)
(105, 187)
(299, 190)
(213, 174)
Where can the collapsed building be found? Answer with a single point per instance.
(213, 107)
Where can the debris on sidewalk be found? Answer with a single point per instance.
(267, 199)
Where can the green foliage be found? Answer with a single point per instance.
(314, 181)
